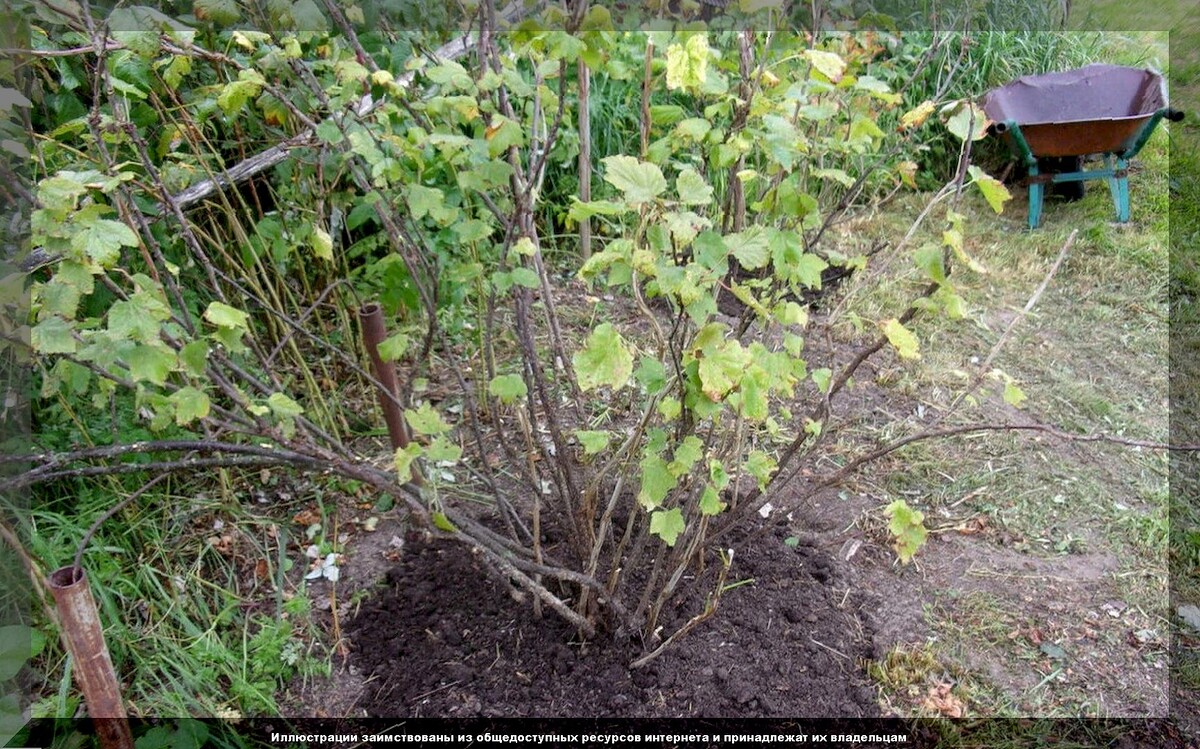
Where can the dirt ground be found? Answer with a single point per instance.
(445, 640)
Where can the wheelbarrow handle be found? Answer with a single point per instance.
(1174, 115)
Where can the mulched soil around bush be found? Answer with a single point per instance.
(445, 638)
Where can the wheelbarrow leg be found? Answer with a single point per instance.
(1037, 191)
(1118, 185)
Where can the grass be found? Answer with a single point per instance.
(182, 582)
(1185, 353)
(1091, 357)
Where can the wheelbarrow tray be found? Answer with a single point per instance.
(1098, 109)
(1094, 109)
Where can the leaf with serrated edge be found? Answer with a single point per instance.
(509, 388)
(640, 182)
(993, 190)
(604, 360)
(907, 528)
(224, 316)
(404, 458)
(190, 404)
(657, 482)
(667, 524)
(425, 420)
(593, 441)
(692, 188)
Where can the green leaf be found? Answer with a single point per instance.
(667, 524)
(710, 501)
(394, 347)
(686, 454)
(283, 406)
(670, 408)
(423, 201)
(61, 191)
(751, 247)
(525, 277)
(711, 252)
(837, 175)
(994, 191)
(908, 529)
(808, 269)
(823, 377)
(220, 12)
(403, 460)
(929, 259)
(509, 388)
(692, 188)
(651, 374)
(442, 523)
(57, 298)
(640, 181)
(524, 247)
(102, 239)
(717, 474)
(694, 128)
(953, 304)
(308, 16)
(685, 226)
(761, 466)
(425, 420)
(129, 319)
(151, 363)
(472, 230)
(967, 120)
(329, 132)
(224, 316)
(12, 720)
(502, 135)
(194, 357)
(605, 360)
(902, 339)
(593, 442)
(687, 63)
(581, 211)
(721, 368)
(657, 482)
(752, 394)
(1013, 395)
(864, 128)
(53, 336)
(235, 94)
(75, 275)
(790, 313)
(442, 450)
(190, 404)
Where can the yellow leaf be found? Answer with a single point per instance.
(829, 64)
(322, 244)
(916, 116)
(901, 339)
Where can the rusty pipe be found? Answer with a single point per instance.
(93, 668)
(370, 317)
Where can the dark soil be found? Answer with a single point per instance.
(447, 639)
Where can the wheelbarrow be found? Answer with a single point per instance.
(1106, 110)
